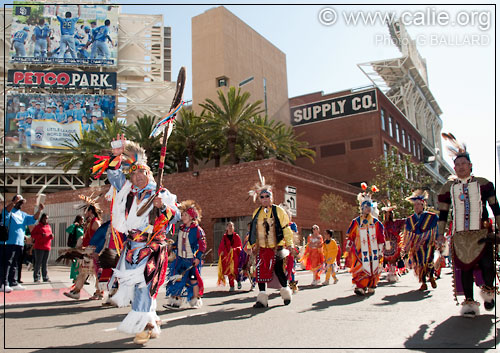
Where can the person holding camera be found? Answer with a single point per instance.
(16, 221)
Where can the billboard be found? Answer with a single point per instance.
(333, 108)
(64, 34)
(62, 79)
(47, 121)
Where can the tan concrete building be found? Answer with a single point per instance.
(227, 52)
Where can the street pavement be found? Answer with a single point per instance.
(397, 317)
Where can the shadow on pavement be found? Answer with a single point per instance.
(124, 344)
(411, 296)
(241, 300)
(49, 309)
(455, 333)
(219, 316)
(325, 304)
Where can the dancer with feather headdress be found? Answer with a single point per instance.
(365, 242)
(271, 239)
(419, 239)
(472, 236)
(142, 265)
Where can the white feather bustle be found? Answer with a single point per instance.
(472, 306)
(487, 296)
(262, 298)
(127, 280)
(286, 293)
(136, 322)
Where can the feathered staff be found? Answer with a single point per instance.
(168, 120)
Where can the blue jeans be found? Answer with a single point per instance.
(41, 258)
(9, 263)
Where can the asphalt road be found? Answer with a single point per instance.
(397, 317)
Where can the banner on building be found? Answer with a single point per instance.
(47, 121)
(51, 134)
(64, 34)
(62, 79)
(334, 108)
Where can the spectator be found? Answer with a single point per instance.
(77, 229)
(42, 236)
(16, 221)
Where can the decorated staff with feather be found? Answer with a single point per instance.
(472, 237)
(271, 239)
(419, 239)
(142, 265)
(365, 242)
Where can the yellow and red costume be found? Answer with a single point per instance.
(330, 251)
(313, 257)
(365, 240)
(229, 255)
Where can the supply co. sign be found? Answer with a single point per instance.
(334, 108)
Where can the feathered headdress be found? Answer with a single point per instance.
(388, 207)
(456, 149)
(365, 197)
(191, 208)
(89, 201)
(134, 157)
(260, 187)
(418, 194)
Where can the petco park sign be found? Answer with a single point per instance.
(334, 108)
(74, 79)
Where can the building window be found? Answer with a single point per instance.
(403, 137)
(382, 118)
(418, 152)
(390, 127)
(397, 132)
(332, 150)
(222, 81)
(409, 143)
(359, 144)
(386, 150)
(414, 148)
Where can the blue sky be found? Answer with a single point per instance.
(324, 58)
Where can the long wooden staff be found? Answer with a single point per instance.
(181, 80)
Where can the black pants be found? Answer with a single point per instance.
(487, 266)
(9, 264)
(20, 264)
(280, 274)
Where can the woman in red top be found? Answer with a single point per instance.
(229, 254)
(42, 236)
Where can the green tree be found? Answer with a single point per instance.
(83, 149)
(140, 132)
(396, 177)
(188, 140)
(276, 140)
(233, 118)
(333, 209)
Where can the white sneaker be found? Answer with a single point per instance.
(72, 295)
(18, 287)
(5, 289)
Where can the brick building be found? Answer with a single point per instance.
(349, 129)
(223, 195)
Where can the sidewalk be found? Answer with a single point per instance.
(43, 292)
(47, 292)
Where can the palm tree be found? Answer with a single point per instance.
(140, 132)
(84, 148)
(280, 142)
(232, 118)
